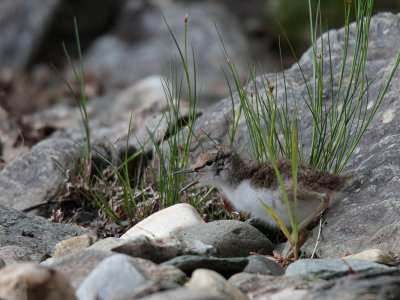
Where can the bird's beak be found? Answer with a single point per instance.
(183, 171)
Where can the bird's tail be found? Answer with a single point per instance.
(348, 179)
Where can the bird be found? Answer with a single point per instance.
(247, 186)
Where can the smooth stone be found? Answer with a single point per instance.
(160, 250)
(375, 255)
(73, 245)
(186, 294)
(114, 277)
(165, 221)
(223, 266)
(331, 268)
(210, 280)
(229, 238)
(33, 281)
(378, 284)
(160, 273)
(259, 264)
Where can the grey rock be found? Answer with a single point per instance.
(107, 244)
(332, 268)
(23, 24)
(159, 250)
(186, 294)
(367, 216)
(224, 266)
(114, 277)
(73, 245)
(229, 238)
(377, 285)
(35, 177)
(124, 55)
(212, 281)
(160, 273)
(258, 286)
(259, 264)
(76, 267)
(11, 254)
(36, 235)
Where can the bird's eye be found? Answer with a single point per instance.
(209, 163)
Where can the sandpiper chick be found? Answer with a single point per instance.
(244, 185)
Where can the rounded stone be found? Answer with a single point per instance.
(115, 276)
(212, 281)
(230, 238)
(162, 223)
(259, 264)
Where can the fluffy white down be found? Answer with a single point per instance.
(247, 199)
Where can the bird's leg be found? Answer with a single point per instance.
(324, 198)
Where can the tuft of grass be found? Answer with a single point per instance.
(126, 185)
(172, 154)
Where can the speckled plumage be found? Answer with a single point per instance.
(245, 184)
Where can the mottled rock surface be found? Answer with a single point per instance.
(257, 286)
(36, 235)
(380, 285)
